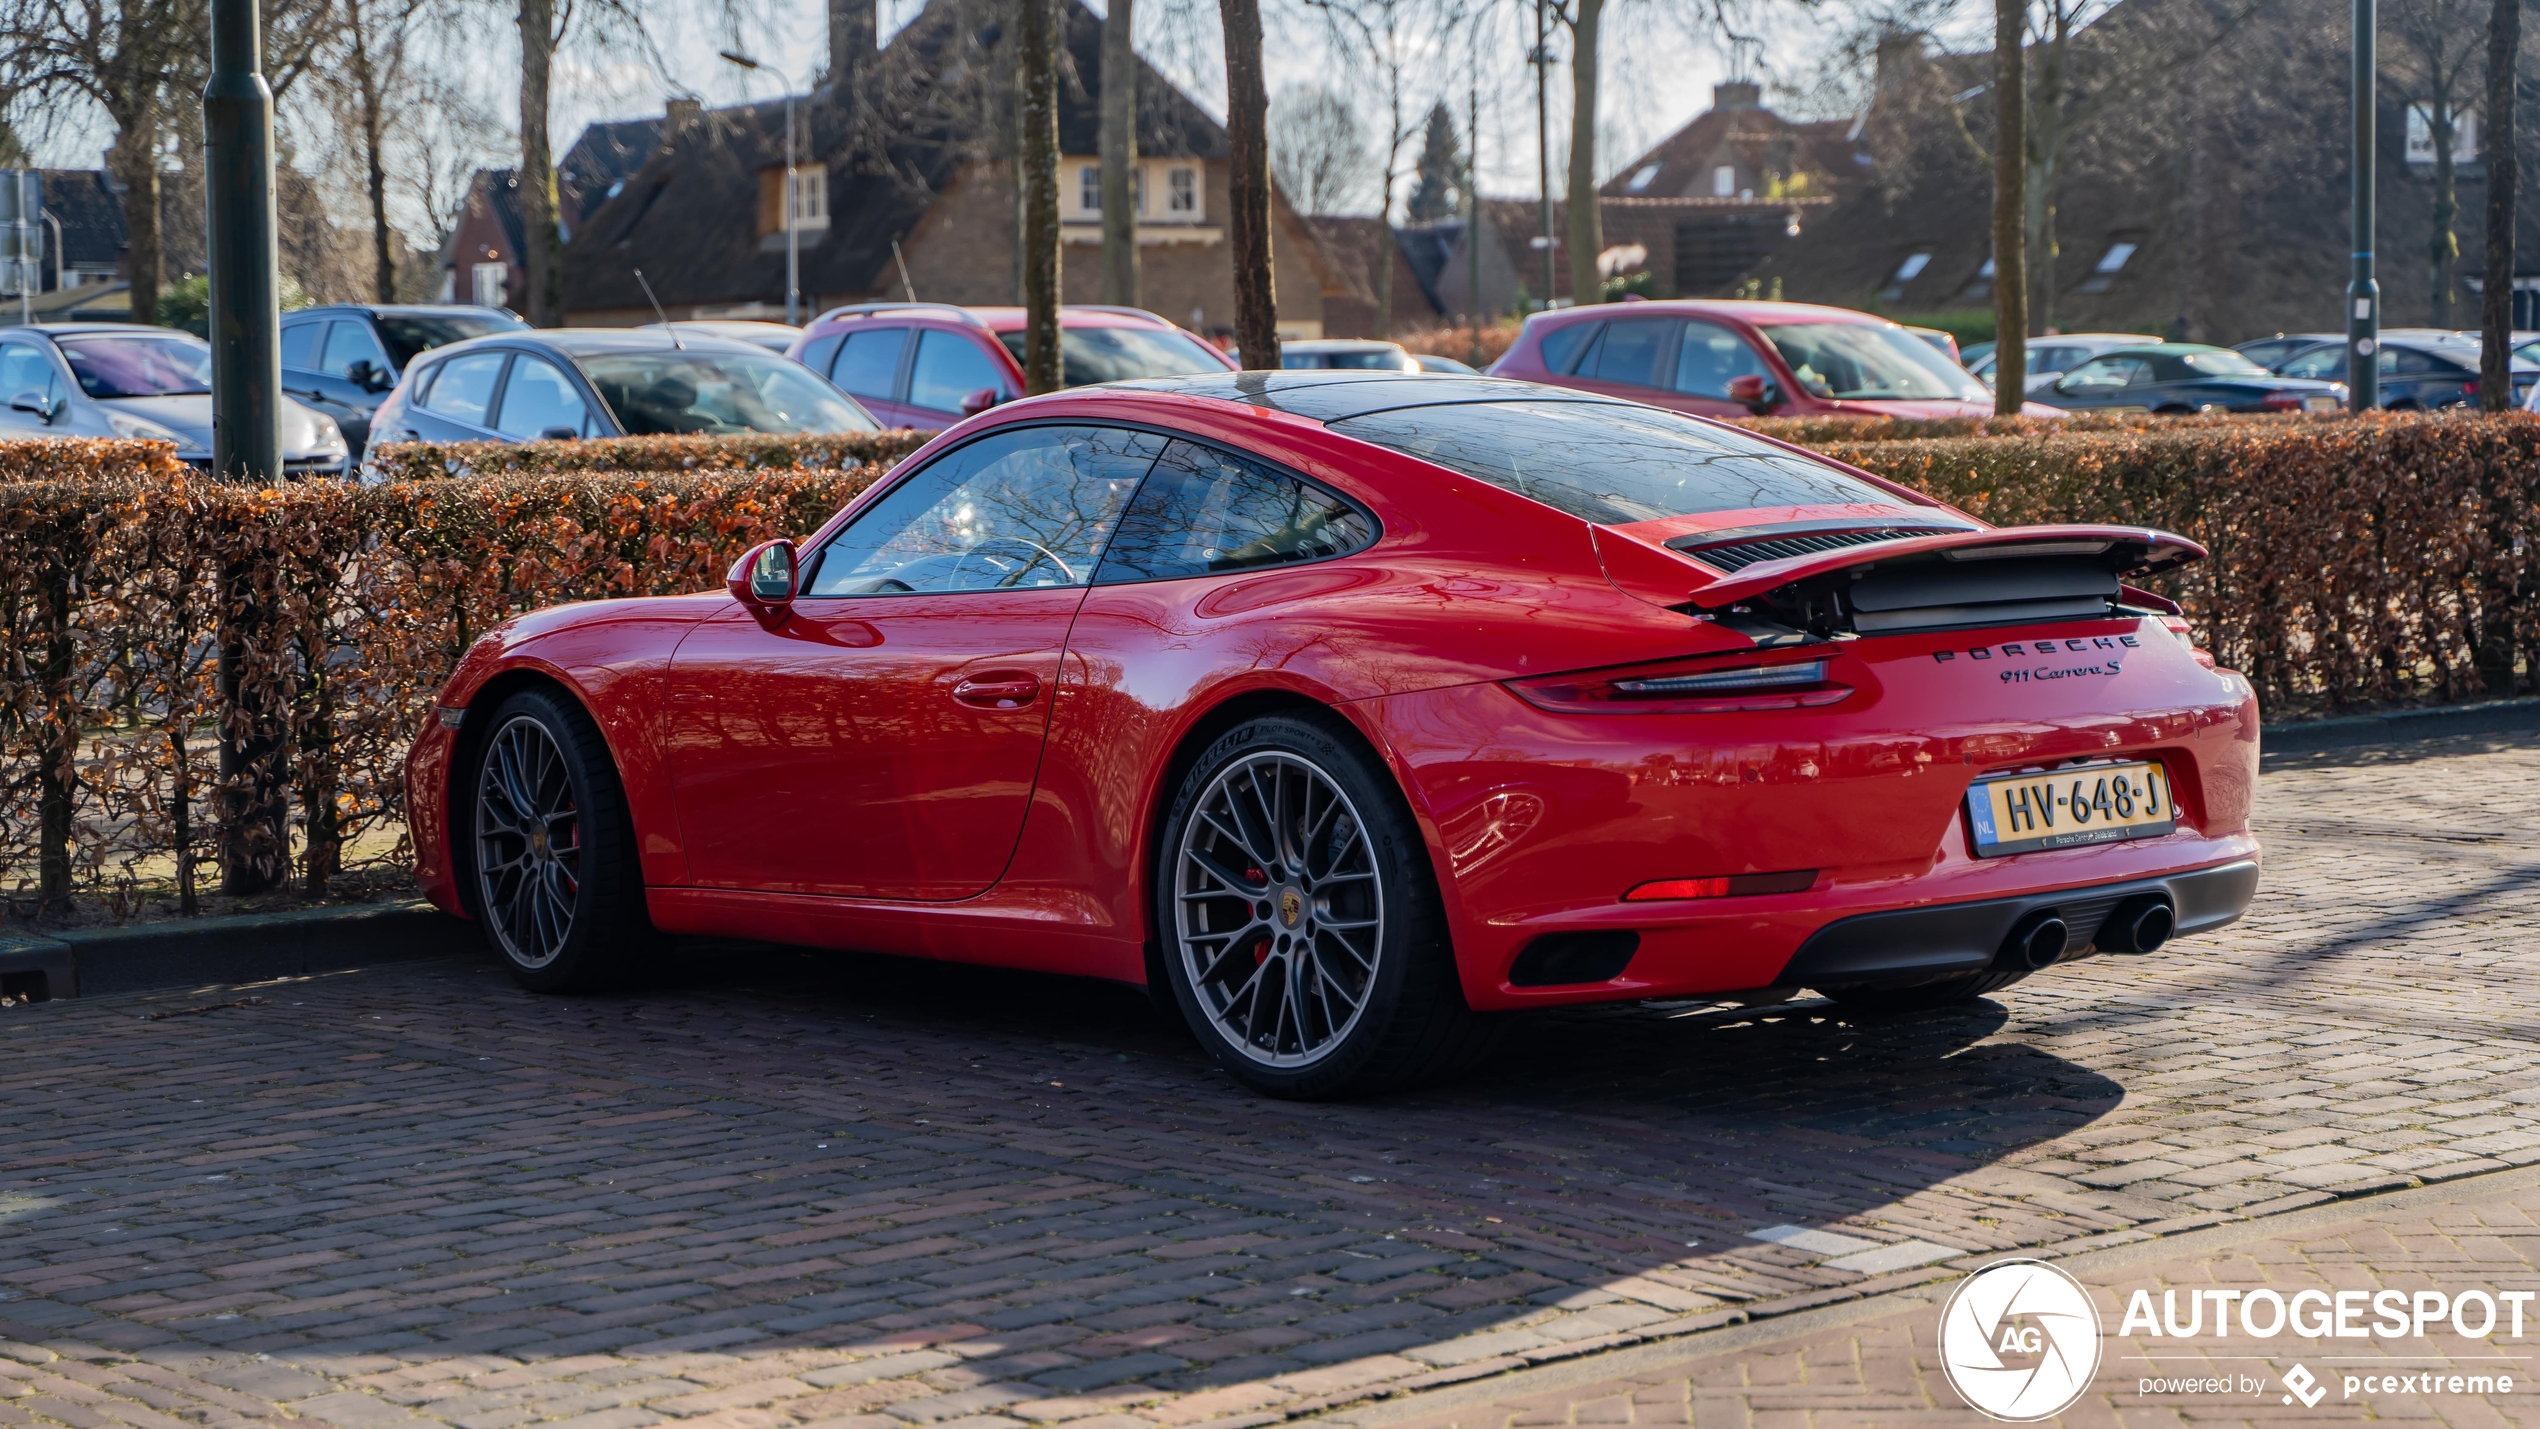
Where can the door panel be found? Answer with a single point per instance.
(881, 739)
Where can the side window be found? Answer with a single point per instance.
(1015, 510)
(2326, 364)
(819, 353)
(1709, 357)
(949, 368)
(1203, 512)
(538, 399)
(348, 343)
(2104, 374)
(300, 344)
(1562, 345)
(24, 369)
(1630, 351)
(869, 363)
(2413, 363)
(463, 390)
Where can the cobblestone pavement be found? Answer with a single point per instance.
(1877, 1363)
(866, 1195)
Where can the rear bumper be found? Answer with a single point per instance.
(1911, 945)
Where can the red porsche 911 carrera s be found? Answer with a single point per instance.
(1345, 709)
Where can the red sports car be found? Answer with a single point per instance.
(1350, 707)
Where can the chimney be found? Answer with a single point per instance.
(679, 119)
(854, 34)
(1898, 51)
(1737, 94)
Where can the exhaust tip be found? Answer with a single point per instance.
(2139, 925)
(2038, 941)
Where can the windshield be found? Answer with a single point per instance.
(1371, 359)
(140, 365)
(1088, 355)
(671, 393)
(1851, 361)
(410, 337)
(2225, 364)
(1608, 462)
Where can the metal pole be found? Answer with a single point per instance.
(793, 233)
(246, 325)
(2363, 294)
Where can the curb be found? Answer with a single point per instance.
(250, 947)
(2482, 717)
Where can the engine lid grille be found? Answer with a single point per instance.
(1738, 555)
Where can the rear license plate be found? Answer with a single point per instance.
(2091, 804)
(2319, 404)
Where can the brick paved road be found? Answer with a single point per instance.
(810, 1191)
(1875, 1362)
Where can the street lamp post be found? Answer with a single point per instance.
(793, 234)
(2363, 292)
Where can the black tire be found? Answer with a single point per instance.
(551, 871)
(1924, 996)
(1359, 855)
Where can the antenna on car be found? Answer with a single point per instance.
(657, 312)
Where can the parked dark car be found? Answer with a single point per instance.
(563, 383)
(2268, 351)
(343, 359)
(2181, 377)
(932, 364)
(2416, 373)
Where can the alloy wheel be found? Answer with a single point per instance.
(528, 842)
(1280, 913)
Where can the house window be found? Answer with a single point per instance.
(1089, 189)
(486, 283)
(811, 196)
(1640, 181)
(1181, 191)
(1906, 272)
(2105, 271)
(1724, 181)
(2421, 136)
(1980, 287)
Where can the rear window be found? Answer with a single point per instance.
(1608, 462)
(1087, 355)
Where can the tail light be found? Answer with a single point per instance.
(2282, 401)
(1684, 687)
(2470, 388)
(2177, 625)
(1739, 885)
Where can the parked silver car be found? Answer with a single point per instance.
(127, 380)
(2052, 356)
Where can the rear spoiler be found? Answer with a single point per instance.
(2128, 552)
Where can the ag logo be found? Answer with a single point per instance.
(2020, 1340)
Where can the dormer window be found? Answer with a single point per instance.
(1641, 180)
(1724, 181)
(2105, 271)
(1906, 272)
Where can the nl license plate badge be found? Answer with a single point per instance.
(2063, 808)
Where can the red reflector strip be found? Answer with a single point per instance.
(1736, 886)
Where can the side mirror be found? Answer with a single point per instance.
(978, 401)
(1758, 394)
(363, 374)
(559, 434)
(764, 576)
(33, 404)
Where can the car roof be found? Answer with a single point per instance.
(1338, 394)
(596, 341)
(1755, 310)
(1338, 344)
(2166, 349)
(1014, 319)
(72, 329)
(401, 310)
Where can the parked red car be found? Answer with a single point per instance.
(932, 364)
(1341, 707)
(1736, 359)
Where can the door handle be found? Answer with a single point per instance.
(1002, 690)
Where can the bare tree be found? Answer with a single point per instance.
(1388, 42)
(1119, 142)
(1585, 20)
(1318, 152)
(2496, 296)
(2438, 54)
(2010, 281)
(544, 31)
(1248, 185)
(1036, 64)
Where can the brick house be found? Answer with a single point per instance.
(906, 189)
(481, 259)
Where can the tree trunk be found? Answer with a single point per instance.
(1382, 258)
(2042, 144)
(2444, 245)
(1248, 185)
(2496, 302)
(137, 169)
(1037, 59)
(1586, 224)
(2010, 167)
(1119, 157)
(542, 266)
(366, 80)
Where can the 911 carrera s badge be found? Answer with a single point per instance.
(1291, 907)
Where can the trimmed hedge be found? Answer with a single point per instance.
(432, 461)
(106, 459)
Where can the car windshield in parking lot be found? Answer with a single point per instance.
(1838, 361)
(410, 337)
(1607, 462)
(671, 393)
(163, 364)
(1087, 355)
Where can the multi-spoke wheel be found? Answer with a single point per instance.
(555, 882)
(1300, 919)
